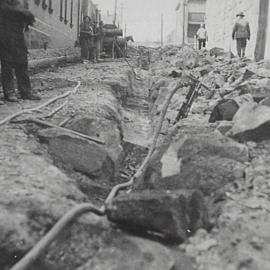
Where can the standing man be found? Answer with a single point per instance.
(14, 20)
(241, 32)
(86, 33)
(202, 36)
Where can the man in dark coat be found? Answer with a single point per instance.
(14, 20)
(241, 32)
(86, 33)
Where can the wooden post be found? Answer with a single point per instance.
(162, 30)
(262, 30)
(184, 22)
(115, 12)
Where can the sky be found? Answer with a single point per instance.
(143, 17)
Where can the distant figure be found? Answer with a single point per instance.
(14, 21)
(99, 40)
(241, 32)
(86, 33)
(202, 36)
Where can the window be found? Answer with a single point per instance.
(61, 10)
(78, 17)
(71, 14)
(196, 17)
(66, 11)
(44, 4)
(50, 7)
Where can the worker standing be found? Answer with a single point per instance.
(241, 32)
(86, 32)
(14, 21)
(202, 36)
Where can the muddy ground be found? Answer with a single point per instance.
(44, 173)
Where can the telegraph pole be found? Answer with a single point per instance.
(122, 11)
(184, 22)
(162, 30)
(115, 11)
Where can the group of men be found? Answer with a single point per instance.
(14, 21)
(91, 39)
(240, 33)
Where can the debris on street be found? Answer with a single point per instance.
(140, 157)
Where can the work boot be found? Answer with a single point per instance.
(11, 97)
(31, 96)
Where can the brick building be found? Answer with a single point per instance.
(220, 18)
(57, 21)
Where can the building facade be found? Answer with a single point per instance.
(220, 18)
(57, 21)
(189, 15)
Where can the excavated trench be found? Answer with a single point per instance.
(137, 127)
(200, 188)
(126, 116)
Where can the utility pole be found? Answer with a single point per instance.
(115, 11)
(184, 22)
(125, 30)
(162, 30)
(122, 11)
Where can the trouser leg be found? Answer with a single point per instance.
(200, 44)
(98, 50)
(239, 46)
(84, 49)
(24, 85)
(92, 52)
(7, 79)
(243, 46)
(204, 43)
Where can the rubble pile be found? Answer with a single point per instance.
(213, 149)
(206, 187)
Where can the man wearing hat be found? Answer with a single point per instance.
(241, 32)
(14, 21)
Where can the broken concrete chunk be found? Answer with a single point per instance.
(224, 110)
(212, 144)
(106, 130)
(173, 214)
(251, 123)
(208, 174)
(79, 154)
(217, 52)
(265, 102)
(258, 88)
(203, 162)
(158, 212)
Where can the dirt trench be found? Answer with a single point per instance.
(39, 185)
(38, 188)
(119, 99)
